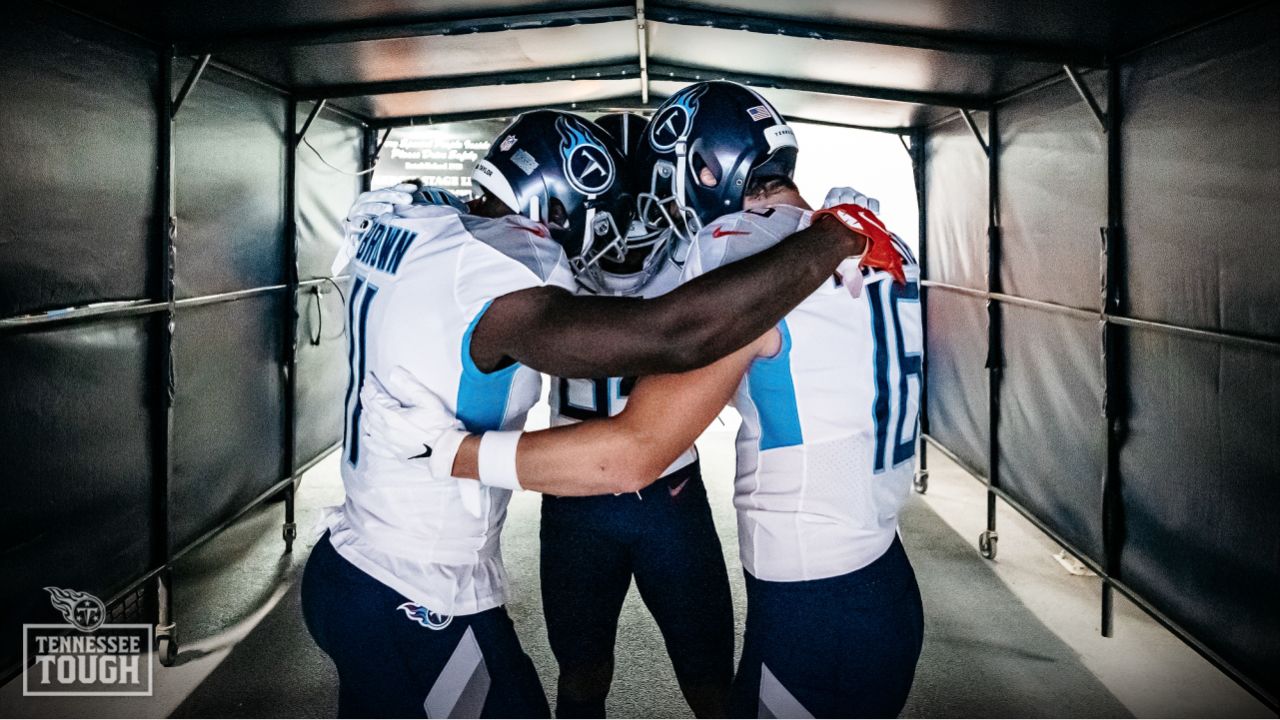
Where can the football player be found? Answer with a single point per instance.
(663, 536)
(406, 590)
(829, 401)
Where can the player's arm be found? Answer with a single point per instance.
(403, 419)
(626, 452)
(558, 333)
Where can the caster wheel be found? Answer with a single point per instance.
(290, 533)
(987, 544)
(167, 648)
(921, 482)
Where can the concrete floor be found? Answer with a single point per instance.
(1012, 638)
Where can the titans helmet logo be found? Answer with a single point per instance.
(425, 617)
(587, 164)
(84, 611)
(676, 119)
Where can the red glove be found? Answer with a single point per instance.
(880, 253)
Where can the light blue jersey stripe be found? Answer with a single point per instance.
(482, 397)
(774, 394)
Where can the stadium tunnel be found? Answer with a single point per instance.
(1097, 186)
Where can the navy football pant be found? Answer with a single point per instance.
(845, 646)
(591, 548)
(393, 664)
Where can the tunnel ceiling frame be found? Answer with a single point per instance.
(911, 44)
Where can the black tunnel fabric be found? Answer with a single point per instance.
(1053, 195)
(79, 401)
(1202, 177)
(76, 484)
(230, 174)
(1200, 492)
(322, 371)
(956, 230)
(324, 194)
(1201, 464)
(77, 169)
(956, 215)
(1051, 429)
(1198, 459)
(955, 355)
(229, 411)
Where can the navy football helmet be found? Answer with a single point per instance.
(561, 170)
(719, 126)
(626, 128)
(627, 265)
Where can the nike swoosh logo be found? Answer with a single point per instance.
(721, 232)
(676, 490)
(426, 452)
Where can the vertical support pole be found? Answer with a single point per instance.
(290, 324)
(995, 353)
(368, 140)
(1114, 399)
(162, 380)
(918, 159)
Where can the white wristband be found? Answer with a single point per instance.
(497, 459)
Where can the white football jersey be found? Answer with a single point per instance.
(826, 451)
(421, 282)
(576, 399)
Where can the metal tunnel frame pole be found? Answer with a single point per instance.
(289, 531)
(165, 261)
(919, 168)
(1114, 398)
(189, 84)
(987, 541)
(368, 138)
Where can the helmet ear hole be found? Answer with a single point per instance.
(557, 215)
(707, 173)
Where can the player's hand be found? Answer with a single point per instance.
(880, 252)
(849, 196)
(367, 207)
(403, 420)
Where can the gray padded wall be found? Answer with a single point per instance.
(1051, 430)
(324, 194)
(81, 412)
(1053, 200)
(1202, 176)
(1200, 493)
(956, 346)
(230, 177)
(78, 179)
(1201, 466)
(1053, 195)
(228, 356)
(1198, 484)
(229, 411)
(78, 164)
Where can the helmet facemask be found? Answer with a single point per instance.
(625, 267)
(601, 239)
(664, 206)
